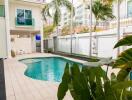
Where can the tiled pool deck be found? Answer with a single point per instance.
(20, 87)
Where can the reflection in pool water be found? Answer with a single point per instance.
(48, 69)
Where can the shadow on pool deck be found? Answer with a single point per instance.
(2, 81)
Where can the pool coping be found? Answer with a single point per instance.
(18, 85)
(52, 55)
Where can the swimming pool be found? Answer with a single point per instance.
(48, 68)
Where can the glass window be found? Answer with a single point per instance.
(2, 11)
(20, 16)
(129, 8)
(21, 13)
(28, 14)
(24, 17)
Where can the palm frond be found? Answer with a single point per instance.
(46, 11)
(102, 12)
(68, 6)
(126, 41)
(57, 17)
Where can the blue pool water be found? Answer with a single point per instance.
(48, 69)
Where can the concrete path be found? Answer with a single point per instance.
(21, 87)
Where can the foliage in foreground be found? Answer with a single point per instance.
(124, 60)
(92, 84)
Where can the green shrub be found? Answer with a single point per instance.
(49, 50)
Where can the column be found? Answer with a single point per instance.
(7, 28)
(42, 38)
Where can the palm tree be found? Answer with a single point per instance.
(53, 9)
(104, 2)
(101, 11)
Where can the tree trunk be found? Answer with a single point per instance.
(95, 26)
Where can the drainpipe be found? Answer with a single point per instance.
(90, 40)
(118, 25)
(7, 28)
(71, 27)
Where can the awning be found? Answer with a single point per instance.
(24, 32)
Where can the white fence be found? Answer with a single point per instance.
(102, 43)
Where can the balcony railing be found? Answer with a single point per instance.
(24, 22)
(2, 11)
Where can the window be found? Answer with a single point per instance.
(2, 11)
(24, 17)
(129, 8)
(28, 14)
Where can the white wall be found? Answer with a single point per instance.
(33, 43)
(106, 45)
(3, 39)
(22, 45)
(36, 14)
(50, 43)
(103, 43)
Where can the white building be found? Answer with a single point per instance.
(21, 20)
(125, 14)
(82, 15)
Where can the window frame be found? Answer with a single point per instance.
(24, 12)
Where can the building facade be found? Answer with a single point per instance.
(21, 21)
(82, 16)
(125, 14)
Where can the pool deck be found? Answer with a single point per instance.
(21, 87)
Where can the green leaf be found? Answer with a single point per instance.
(109, 91)
(123, 74)
(99, 93)
(122, 85)
(126, 41)
(124, 60)
(113, 77)
(63, 87)
(79, 82)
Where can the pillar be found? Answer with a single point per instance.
(7, 28)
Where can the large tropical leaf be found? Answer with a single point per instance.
(123, 74)
(122, 85)
(63, 87)
(124, 59)
(79, 82)
(126, 41)
(109, 91)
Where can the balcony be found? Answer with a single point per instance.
(24, 22)
(2, 11)
(41, 1)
